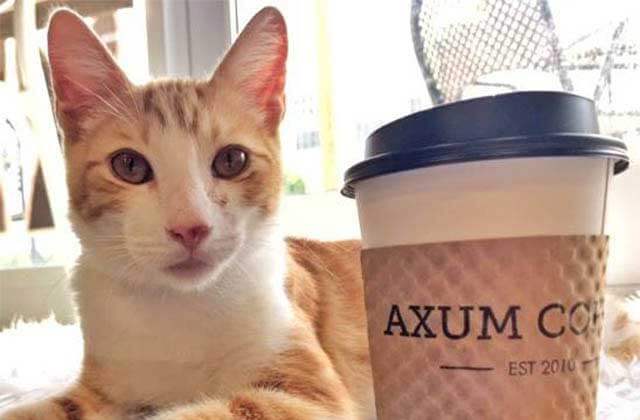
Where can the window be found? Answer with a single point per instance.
(345, 77)
(10, 156)
(308, 140)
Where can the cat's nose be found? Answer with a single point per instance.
(189, 236)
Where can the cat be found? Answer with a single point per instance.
(622, 327)
(192, 304)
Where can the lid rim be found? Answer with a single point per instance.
(550, 145)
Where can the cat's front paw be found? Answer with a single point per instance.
(205, 411)
(55, 409)
(41, 410)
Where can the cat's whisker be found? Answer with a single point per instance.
(114, 111)
(133, 100)
(237, 266)
(124, 109)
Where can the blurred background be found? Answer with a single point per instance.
(353, 66)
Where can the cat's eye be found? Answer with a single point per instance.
(131, 167)
(230, 162)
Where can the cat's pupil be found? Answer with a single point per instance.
(129, 162)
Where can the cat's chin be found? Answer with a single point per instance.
(189, 268)
(189, 277)
(191, 274)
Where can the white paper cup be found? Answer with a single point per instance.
(484, 252)
(482, 200)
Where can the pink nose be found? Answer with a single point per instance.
(189, 236)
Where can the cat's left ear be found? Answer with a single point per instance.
(254, 67)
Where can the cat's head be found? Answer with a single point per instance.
(171, 182)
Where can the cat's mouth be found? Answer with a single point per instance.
(188, 268)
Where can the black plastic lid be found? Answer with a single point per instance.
(512, 125)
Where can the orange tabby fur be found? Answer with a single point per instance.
(327, 362)
(314, 364)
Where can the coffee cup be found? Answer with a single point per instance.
(484, 253)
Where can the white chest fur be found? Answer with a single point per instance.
(174, 347)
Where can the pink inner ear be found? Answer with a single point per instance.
(78, 93)
(84, 73)
(70, 93)
(269, 87)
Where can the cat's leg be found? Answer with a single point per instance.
(300, 384)
(76, 403)
(262, 404)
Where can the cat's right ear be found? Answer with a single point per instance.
(84, 75)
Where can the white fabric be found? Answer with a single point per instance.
(37, 358)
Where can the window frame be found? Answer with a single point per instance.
(187, 38)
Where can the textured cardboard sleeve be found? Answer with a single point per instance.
(486, 329)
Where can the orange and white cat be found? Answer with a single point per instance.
(192, 304)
